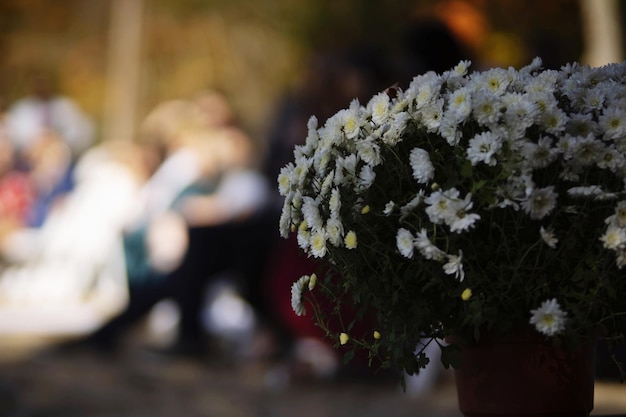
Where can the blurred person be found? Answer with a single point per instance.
(229, 232)
(45, 110)
(76, 257)
(49, 132)
(17, 192)
(81, 240)
(208, 223)
(175, 164)
(50, 166)
(214, 108)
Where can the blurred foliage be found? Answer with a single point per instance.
(253, 50)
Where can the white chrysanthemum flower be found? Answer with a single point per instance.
(312, 138)
(545, 102)
(427, 248)
(610, 158)
(483, 147)
(432, 114)
(460, 70)
(614, 238)
(423, 169)
(311, 124)
(349, 164)
(426, 91)
(311, 213)
(535, 65)
(297, 290)
(586, 191)
(321, 158)
(366, 176)
(368, 151)
(495, 80)
(549, 319)
(379, 107)
(345, 170)
(554, 120)
(460, 104)
(397, 126)
(296, 199)
(520, 112)
(404, 242)
(581, 125)
(486, 108)
(389, 208)
(461, 219)
(301, 170)
(334, 202)
(540, 154)
(587, 150)
(332, 132)
(411, 205)
(318, 244)
(400, 103)
(284, 223)
(284, 179)
(593, 99)
(540, 202)
(566, 146)
(544, 82)
(548, 237)
(327, 184)
(334, 231)
(440, 205)
(449, 130)
(613, 123)
(304, 239)
(352, 120)
(454, 266)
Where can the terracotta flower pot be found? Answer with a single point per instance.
(525, 376)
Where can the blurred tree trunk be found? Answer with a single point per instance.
(602, 36)
(123, 68)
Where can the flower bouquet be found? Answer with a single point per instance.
(470, 203)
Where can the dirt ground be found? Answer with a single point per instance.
(139, 384)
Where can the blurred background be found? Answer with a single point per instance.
(254, 51)
(129, 132)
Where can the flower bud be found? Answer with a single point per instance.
(466, 294)
(376, 335)
(365, 209)
(343, 338)
(351, 240)
(312, 282)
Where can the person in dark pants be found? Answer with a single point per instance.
(226, 225)
(239, 247)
